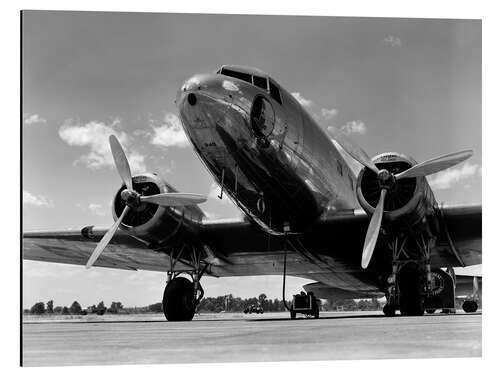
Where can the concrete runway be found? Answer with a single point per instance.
(242, 338)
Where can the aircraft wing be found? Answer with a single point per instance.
(72, 247)
(330, 252)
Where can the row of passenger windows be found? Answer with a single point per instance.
(258, 81)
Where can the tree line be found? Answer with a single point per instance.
(227, 303)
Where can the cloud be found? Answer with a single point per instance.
(36, 200)
(393, 41)
(358, 127)
(451, 177)
(32, 119)
(328, 114)
(351, 127)
(303, 101)
(97, 209)
(95, 135)
(170, 134)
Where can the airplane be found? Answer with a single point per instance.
(314, 206)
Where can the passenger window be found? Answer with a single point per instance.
(275, 92)
(231, 73)
(260, 82)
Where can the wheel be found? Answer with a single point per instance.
(293, 314)
(411, 301)
(178, 300)
(469, 306)
(430, 311)
(389, 310)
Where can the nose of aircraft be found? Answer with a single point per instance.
(188, 89)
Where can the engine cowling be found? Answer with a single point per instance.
(408, 202)
(151, 223)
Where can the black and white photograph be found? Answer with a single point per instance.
(219, 188)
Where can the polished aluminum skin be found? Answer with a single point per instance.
(265, 150)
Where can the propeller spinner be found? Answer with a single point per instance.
(133, 199)
(387, 179)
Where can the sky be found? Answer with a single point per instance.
(404, 85)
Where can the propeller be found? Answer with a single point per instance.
(387, 180)
(133, 199)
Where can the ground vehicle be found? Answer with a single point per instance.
(254, 309)
(306, 304)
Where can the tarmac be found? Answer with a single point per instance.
(149, 339)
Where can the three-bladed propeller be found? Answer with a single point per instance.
(387, 180)
(133, 199)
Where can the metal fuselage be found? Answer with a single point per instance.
(265, 150)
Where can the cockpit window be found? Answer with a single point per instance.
(260, 82)
(275, 92)
(231, 73)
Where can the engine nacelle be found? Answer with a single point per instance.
(151, 223)
(408, 202)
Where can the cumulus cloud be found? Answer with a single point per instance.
(392, 41)
(97, 209)
(32, 119)
(36, 200)
(328, 114)
(351, 127)
(303, 101)
(170, 133)
(95, 136)
(451, 177)
(358, 127)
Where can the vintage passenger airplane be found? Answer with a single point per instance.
(307, 213)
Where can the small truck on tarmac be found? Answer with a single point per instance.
(306, 304)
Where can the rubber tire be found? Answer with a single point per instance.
(293, 314)
(411, 301)
(389, 310)
(178, 300)
(430, 311)
(469, 306)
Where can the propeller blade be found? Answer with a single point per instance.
(174, 199)
(356, 152)
(373, 231)
(121, 161)
(435, 165)
(105, 239)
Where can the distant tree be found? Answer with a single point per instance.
(58, 309)
(26, 311)
(75, 308)
(65, 310)
(156, 307)
(38, 308)
(101, 308)
(262, 299)
(92, 309)
(115, 307)
(50, 307)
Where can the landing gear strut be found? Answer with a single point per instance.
(410, 282)
(181, 296)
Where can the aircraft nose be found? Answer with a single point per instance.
(188, 89)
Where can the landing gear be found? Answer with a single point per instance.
(411, 301)
(389, 310)
(469, 306)
(178, 301)
(181, 296)
(413, 288)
